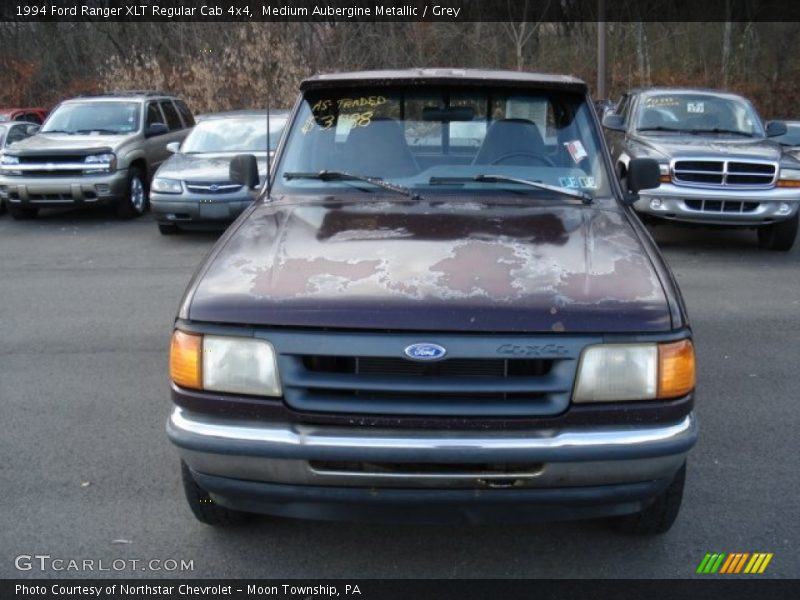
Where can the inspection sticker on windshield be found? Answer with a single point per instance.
(586, 183)
(695, 107)
(576, 150)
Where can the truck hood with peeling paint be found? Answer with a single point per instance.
(480, 266)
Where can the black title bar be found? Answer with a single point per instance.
(334, 11)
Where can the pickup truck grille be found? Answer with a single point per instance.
(724, 173)
(478, 379)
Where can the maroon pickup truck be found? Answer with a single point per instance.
(441, 307)
(31, 115)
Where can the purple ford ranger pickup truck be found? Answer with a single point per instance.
(443, 309)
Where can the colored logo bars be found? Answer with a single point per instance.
(737, 562)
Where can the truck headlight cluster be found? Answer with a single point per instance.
(6, 162)
(235, 365)
(621, 372)
(789, 178)
(166, 186)
(100, 163)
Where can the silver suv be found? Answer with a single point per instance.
(92, 151)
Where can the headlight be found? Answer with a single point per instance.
(6, 161)
(789, 178)
(100, 163)
(665, 176)
(620, 372)
(166, 186)
(236, 365)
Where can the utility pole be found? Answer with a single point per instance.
(601, 50)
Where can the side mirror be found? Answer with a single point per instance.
(776, 128)
(155, 129)
(174, 147)
(244, 170)
(614, 122)
(643, 174)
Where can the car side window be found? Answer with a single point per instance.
(188, 119)
(16, 134)
(173, 119)
(32, 118)
(153, 115)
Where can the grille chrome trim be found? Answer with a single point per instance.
(212, 187)
(713, 172)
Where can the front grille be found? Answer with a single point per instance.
(457, 386)
(212, 187)
(722, 206)
(463, 367)
(60, 165)
(723, 173)
(51, 158)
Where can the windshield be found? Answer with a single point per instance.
(444, 139)
(94, 117)
(704, 113)
(234, 134)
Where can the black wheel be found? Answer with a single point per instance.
(203, 506)
(21, 214)
(779, 236)
(168, 229)
(661, 514)
(135, 202)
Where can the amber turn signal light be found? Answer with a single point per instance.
(676, 369)
(185, 359)
(665, 179)
(788, 183)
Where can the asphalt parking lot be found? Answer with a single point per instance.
(86, 308)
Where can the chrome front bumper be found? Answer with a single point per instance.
(672, 202)
(307, 455)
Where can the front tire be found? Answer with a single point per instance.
(779, 236)
(19, 213)
(136, 201)
(204, 508)
(661, 514)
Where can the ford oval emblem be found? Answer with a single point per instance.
(213, 187)
(425, 351)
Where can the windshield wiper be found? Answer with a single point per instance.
(344, 176)
(662, 128)
(584, 197)
(57, 131)
(100, 130)
(718, 130)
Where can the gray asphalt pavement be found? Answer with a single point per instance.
(86, 472)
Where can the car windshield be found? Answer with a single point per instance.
(698, 113)
(3, 130)
(234, 134)
(453, 139)
(94, 117)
